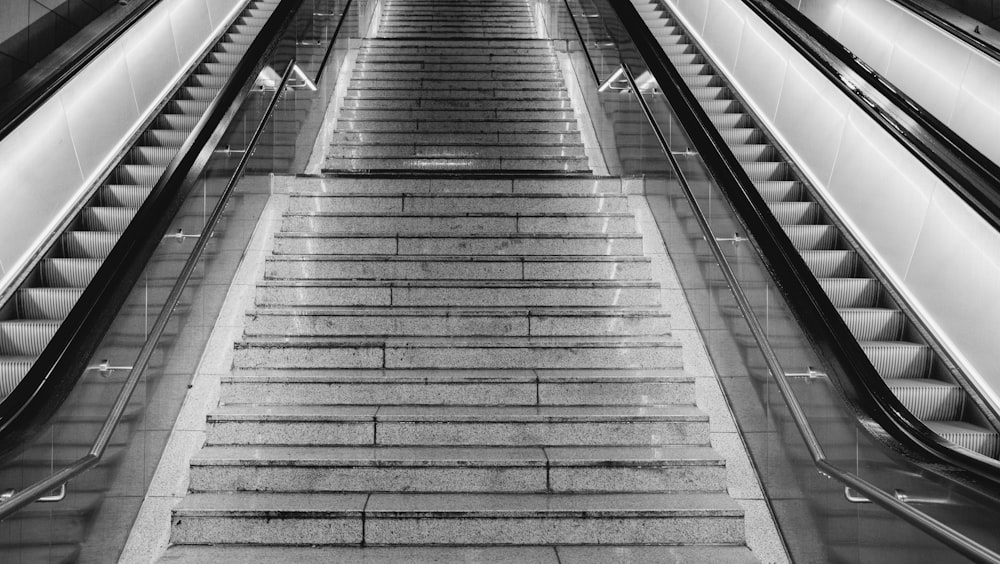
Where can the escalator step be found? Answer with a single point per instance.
(971, 436)
(831, 264)
(764, 171)
(128, 195)
(167, 137)
(794, 213)
(207, 81)
(687, 71)
(96, 218)
(88, 244)
(730, 121)
(932, 400)
(852, 292)
(812, 237)
(12, 371)
(711, 92)
(69, 272)
(729, 106)
(26, 337)
(191, 107)
(46, 303)
(780, 190)
(154, 156)
(896, 359)
(741, 135)
(143, 175)
(755, 152)
(874, 324)
(198, 93)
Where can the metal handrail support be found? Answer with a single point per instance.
(333, 41)
(949, 536)
(58, 480)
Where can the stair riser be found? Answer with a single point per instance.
(457, 270)
(467, 126)
(437, 393)
(455, 325)
(546, 530)
(431, 433)
(474, 152)
(464, 357)
(523, 297)
(443, 162)
(451, 205)
(458, 225)
(476, 246)
(428, 478)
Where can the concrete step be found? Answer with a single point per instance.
(240, 554)
(415, 267)
(458, 387)
(464, 223)
(464, 105)
(467, 124)
(457, 469)
(443, 425)
(445, 163)
(433, 519)
(397, 184)
(424, 203)
(458, 293)
(439, 321)
(431, 244)
(467, 352)
(481, 153)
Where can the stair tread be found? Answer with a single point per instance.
(233, 554)
(453, 413)
(455, 375)
(455, 456)
(466, 504)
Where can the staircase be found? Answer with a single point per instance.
(451, 367)
(912, 369)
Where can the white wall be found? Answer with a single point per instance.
(938, 251)
(49, 164)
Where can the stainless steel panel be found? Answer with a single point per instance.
(723, 30)
(41, 174)
(808, 105)
(929, 65)
(869, 29)
(694, 11)
(152, 59)
(760, 66)
(954, 272)
(977, 112)
(881, 191)
(101, 110)
(191, 24)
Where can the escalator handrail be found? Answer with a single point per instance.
(55, 372)
(18, 109)
(949, 536)
(962, 167)
(100, 444)
(851, 370)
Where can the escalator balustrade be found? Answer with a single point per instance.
(911, 368)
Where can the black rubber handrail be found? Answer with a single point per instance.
(851, 370)
(962, 167)
(15, 111)
(56, 371)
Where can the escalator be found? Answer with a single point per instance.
(48, 293)
(912, 369)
